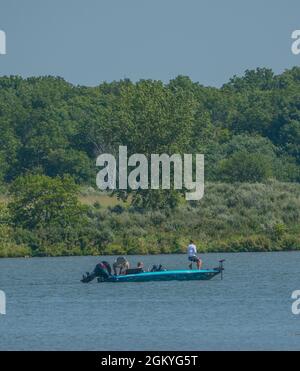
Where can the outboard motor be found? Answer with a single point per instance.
(102, 271)
(88, 277)
(107, 267)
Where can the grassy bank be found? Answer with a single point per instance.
(230, 218)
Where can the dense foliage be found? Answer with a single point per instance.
(51, 133)
(231, 217)
(50, 127)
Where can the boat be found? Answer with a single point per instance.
(166, 275)
(174, 275)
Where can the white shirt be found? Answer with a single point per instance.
(191, 250)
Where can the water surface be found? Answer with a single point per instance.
(49, 309)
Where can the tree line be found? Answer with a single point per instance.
(249, 129)
(52, 131)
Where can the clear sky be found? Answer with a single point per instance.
(89, 41)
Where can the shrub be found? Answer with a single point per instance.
(290, 243)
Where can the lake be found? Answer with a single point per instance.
(48, 308)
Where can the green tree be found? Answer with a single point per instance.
(245, 167)
(39, 201)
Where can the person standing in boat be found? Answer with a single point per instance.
(192, 255)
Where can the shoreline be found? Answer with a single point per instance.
(164, 254)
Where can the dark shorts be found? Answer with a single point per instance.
(194, 259)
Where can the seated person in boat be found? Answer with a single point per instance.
(121, 263)
(139, 269)
(192, 255)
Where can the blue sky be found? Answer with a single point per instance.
(87, 42)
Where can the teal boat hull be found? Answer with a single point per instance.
(174, 275)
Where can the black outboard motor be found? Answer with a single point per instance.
(102, 271)
(107, 266)
(88, 277)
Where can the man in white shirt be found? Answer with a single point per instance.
(192, 255)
